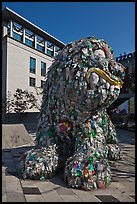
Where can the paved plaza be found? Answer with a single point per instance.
(121, 189)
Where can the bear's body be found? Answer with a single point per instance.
(74, 130)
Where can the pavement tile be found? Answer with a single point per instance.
(129, 187)
(49, 191)
(51, 195)
(34, 198)
(15, 197)
(126, 198)
(3, 179)
(28, 183)
(65, 191)
(4, 198)
(102, 191)
(116, 185)
(121, 193)
(70, 198)
(4, 188)
(13, 185)
(86, 196)
(131, 179)
(133, 196)
(46, 186)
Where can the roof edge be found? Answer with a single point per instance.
(6, 9)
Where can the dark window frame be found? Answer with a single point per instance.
(40, 48)
(50, 53)
(42, 84)
(17, 36)
(29, 42)
(43, 69)
(32, 69)
(32, 81)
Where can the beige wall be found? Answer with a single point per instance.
(18, 64)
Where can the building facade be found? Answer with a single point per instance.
(128, 61)
(128, 89)
(27, 53)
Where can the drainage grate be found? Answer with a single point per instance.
(31, 190)
(107, 198)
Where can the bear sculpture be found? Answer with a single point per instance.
(74, 131)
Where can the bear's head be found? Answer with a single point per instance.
(88, 76)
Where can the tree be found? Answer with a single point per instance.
(7, 105)
(20, 102)
(23, 101)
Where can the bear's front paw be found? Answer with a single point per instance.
(39, 164)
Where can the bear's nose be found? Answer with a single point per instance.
(93, 79)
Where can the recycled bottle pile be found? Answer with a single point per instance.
(74, 130)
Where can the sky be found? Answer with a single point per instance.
(69, 21)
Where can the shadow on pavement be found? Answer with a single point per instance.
(10, 159)
(125, 136)
(58, 179)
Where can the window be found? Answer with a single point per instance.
(8, 29)
(40, 48)
(32, 81)
(50, 53)
(42, 84)
(125, 88)
(43, 69)
(32, 65)
(17, 36)
(29, 42)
